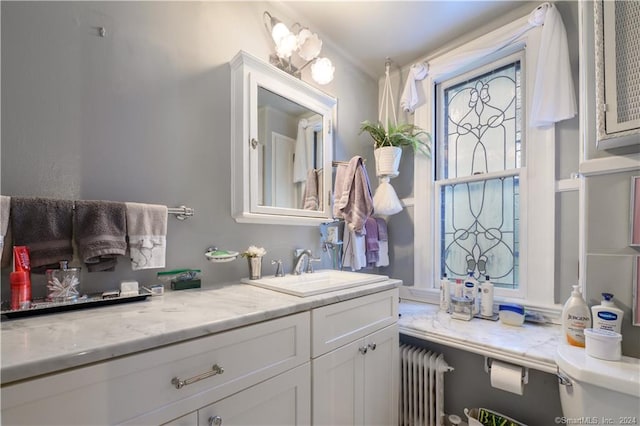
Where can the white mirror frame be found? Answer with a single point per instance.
(248, 73)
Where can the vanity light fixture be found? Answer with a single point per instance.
(304, 43)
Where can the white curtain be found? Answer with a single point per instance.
(553, 95)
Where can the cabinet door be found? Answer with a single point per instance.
(381, 365)
(281, 400)
(337, 386)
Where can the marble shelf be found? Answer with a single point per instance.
(532, 345)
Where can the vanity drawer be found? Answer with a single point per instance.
(335, 325)
(124, 388)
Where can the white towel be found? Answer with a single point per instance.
(354, 253)
(300, 156)
(409, 98)
(553, 92)
(5, 209)
(383, 243)
(147, 232)
(310, 197)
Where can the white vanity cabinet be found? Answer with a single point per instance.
(335, 363)
(355, 361)
(282, 400)
(144, 388)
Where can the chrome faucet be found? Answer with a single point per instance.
(299, 260)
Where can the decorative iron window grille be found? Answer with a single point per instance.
(479, 158)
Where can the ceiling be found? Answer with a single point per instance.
(370, 31)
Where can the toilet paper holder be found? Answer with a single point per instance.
(525, 370)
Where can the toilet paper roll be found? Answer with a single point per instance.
(507, 377)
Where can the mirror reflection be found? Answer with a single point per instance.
(290, 155)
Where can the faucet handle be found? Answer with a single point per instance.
(310, 266)
(279, 268)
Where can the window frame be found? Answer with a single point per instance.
(489, 64)
(537, 263)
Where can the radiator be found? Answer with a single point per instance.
(421, 387)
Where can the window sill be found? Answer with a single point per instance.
(531, 345)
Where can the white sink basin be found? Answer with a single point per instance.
(318, 282)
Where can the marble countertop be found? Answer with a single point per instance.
(531, 345)
(48, 343)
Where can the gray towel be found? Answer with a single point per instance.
(44, 225)
(5, 209)
(100, 233)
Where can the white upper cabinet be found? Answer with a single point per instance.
(281, 146)
(617, 49)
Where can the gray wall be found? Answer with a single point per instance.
(143, 115)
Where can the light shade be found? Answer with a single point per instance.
(307, 45)
(322, 70)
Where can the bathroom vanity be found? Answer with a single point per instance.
(223, 354)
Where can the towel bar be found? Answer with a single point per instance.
(181, 212)
(337, 163)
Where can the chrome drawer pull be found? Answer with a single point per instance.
(179, 384)
(215, 421)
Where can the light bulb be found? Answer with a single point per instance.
(322, 70)
(286, 46)
(279, 31)
(309, 45)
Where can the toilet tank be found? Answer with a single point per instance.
(608, 391)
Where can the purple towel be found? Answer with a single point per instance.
(382, 229)
(353, 201)
(45, 226)
(371, 241)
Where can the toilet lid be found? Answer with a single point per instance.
(621, 376)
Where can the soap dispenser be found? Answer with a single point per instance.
(606, 316)
(576, 316)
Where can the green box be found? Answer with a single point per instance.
(183, 285)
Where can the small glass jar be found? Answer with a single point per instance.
(461, 308)
(63, 284)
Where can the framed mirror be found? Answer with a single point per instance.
(281, 146)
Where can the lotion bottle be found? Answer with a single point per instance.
(606, 316)
(470, 291)
(458, 288)
(576, 316)
(486, 303)
(445, 293)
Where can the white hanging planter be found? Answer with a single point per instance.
(387, 160)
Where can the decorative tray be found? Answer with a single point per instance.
(40, 307)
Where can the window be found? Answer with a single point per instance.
(478, 157)
(485, 201)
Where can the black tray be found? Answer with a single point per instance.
(43, 307)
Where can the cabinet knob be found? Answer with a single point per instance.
(363, 350)
(215, 421)
(373, 346)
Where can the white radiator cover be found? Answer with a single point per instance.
(421, 387)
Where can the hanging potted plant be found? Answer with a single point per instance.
(388, 144)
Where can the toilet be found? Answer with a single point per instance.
(590, 387)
